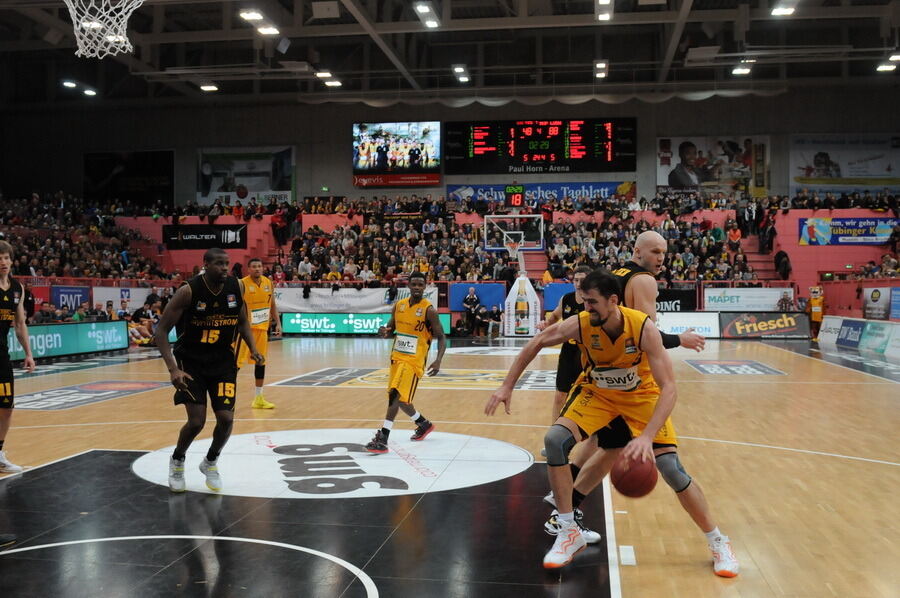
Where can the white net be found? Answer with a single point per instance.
(101, 26)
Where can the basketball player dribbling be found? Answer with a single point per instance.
(414, 323)
(208, 313)
(259, 297)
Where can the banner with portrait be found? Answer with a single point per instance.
(713, 164)
(845, 163)
(241, 174)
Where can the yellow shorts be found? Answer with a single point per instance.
(261, 338)
(404, 379)
(592, 409)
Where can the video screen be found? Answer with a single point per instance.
(390, 148)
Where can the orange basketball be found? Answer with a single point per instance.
(634, 478)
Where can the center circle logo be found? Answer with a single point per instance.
(333, 463)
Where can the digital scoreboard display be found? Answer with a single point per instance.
(514, 196)
(540, 146)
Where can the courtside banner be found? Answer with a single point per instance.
(342, 323)
(743, 299)
(876, 303)
(764, 325)
(676, 300)
(828, 333)
(135, 296)
(875, 337)
(846, 231)
(704, 323)
(56, 340)
(850, 333)
(344, 300)
(892, 350)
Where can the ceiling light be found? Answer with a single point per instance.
(463, 78)
(600, 75)
(886, 67)
(604, 16)
(423, 8)
(894, 58)
(69, 84)
(333, 83)
(251, 15)
(268, 30)
(90, 92)
(603, 2)
(459, 68)
(431, 24)
(748, 60)
(740, 70)
(209, 87)
(324, 74)
(601, 65)
(782, 11)
(91, 25)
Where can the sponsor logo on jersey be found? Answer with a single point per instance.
(232, 301)
(201, 306)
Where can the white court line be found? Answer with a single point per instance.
(626, 555)
(470, 423)
(831, 363)
(371, 589)
(615, 580)
(27, 469)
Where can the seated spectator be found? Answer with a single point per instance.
(482, 321)
(734, 238)
(496, 320)
(461, 328)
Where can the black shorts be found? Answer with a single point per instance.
(569, 367)
(7, 388)
(219, 381)
(617, 434)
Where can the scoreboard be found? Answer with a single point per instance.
(540, 146)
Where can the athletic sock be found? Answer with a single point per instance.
(566, 517)
(711, 536)
(575, 469)
(415, 416)
(259, 391)
(577, 498)
(419, 420)
(386, 427)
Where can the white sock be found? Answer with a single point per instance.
(388, 424)
(713, 535)
(566, 517)
(415, 416)
(259, 391)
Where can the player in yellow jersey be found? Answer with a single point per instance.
(259, 296)
(414, 323)
(627, 374)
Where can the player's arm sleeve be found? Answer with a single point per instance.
(670, 341)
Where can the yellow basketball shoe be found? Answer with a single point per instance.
(260, 403)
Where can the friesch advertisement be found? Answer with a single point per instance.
(845, 163)
(713, 164)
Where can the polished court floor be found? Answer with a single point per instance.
(794, 448)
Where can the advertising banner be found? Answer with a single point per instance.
(344, 300)
(205, 236)
(489, 294)
(523, 309)
(895, 303)
(876, 303)
(875, 337)
(241, 174)
(69, 296)
(676, 300)
(143, 178)
(329, 323)
(554, 292)
(54, 340)
(844, 163)
(704, 323)
(850, 333)
(713, 164)
(135, 296)
(541, 192)
(846, 231)
(768, 325)
(743, 299)
(831, 328)
(892, 350)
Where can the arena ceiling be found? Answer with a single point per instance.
(383, 50)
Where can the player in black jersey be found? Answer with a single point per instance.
(208, 313)
(12, 312)
(639, 289)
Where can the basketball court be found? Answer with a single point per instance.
(797, 471)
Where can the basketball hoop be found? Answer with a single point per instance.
(101, 26)
(513, 248)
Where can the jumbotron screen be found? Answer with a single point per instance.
(397, 153)
(540, 146)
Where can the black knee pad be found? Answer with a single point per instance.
(558, 442)
(259, 372)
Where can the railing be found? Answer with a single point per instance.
(46, 281)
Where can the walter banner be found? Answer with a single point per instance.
(846, 231)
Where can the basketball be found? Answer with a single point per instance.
(634, 478)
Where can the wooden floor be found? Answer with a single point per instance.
(802, 470)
